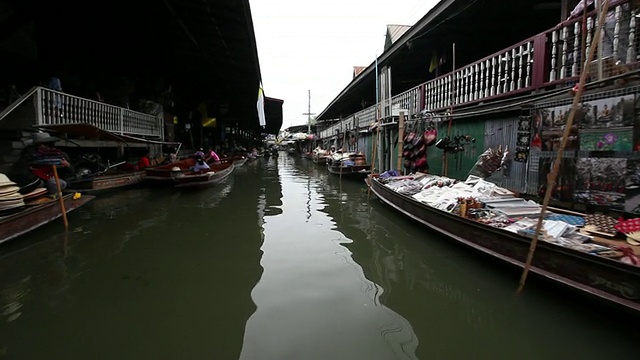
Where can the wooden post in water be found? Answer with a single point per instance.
(373, 160)
(64, 212)
(400, 140)
(551, 178)
(344, 142)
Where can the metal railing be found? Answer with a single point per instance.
(56, 108)
(548, 59)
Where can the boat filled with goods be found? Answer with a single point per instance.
(592, 252)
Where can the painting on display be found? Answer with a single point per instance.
(523, 140)
(632, 187)
(636, 125)
(596, 116)
(601, 181)
(565, 182)
(548, 126)
(614, 112)
(620, 139)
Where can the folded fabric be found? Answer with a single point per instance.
(603, 223)
(628, 226)
(569, 219)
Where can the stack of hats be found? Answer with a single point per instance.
(10, 197)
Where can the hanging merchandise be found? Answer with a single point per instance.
(524, 141)
(431, 134)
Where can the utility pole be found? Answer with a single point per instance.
(309, 113)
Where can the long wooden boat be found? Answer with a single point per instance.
(32, 217)
(213, 176)
(107, 181)
(239, 160)
(604, 278)
(166, 174)
(320, 160)
(355, 171)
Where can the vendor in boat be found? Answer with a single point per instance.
(42, 159)
(211, 156)
(200, 164)
(144, 161)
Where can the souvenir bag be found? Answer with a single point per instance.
(431, 134)
(408, 140)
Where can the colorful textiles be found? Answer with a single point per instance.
(569, 219)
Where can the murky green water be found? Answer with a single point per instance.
(283, 261)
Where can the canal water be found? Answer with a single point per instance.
(282, 261)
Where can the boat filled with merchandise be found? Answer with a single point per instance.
(595, 253)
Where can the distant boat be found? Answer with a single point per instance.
(348, 165)
(216, 174)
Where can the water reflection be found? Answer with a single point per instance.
(282, 262)
(313, 301)
(145, 274)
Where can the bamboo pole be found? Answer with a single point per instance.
(551, 178)
(64, 212)
(400, 141)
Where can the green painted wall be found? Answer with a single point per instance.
(460, 164)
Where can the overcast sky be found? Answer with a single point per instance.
(314, 45)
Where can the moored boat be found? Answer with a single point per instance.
(216, 174)
(603, 268)
(91, 173)
(36, 213)
(348, 165)
(106, 181)
(320, 156)
(166, 174)
(239, 160)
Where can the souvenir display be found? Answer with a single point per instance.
(485, 202)
(601, 181)
(523, 141)
(10, 197)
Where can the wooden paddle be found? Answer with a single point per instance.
(64, 212)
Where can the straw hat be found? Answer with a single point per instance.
(5, 181)
(9, 198)
(8, 190)
(42, 138)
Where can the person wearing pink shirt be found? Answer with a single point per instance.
(212, 156)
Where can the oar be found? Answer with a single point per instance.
(551, 178)
(64, 212)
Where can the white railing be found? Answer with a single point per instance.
(56, 108)
(408, 100)
(618, 39)
(507, 71)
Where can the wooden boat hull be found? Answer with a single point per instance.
(239, 162)
(30, 218)
(107, 182)
(320, 160)
(205, 179)
(357, 171)
(165, 174)
(607, 279)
